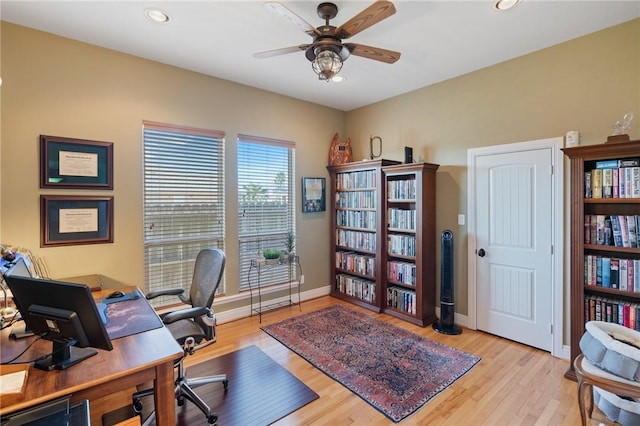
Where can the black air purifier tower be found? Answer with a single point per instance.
(447, 312)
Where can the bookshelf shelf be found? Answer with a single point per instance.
(590, 296)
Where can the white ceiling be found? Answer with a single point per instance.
(438, 39)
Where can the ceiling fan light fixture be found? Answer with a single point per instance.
(503, 5)
(326, 64)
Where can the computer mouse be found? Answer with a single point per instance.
(115, 295)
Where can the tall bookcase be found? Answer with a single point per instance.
(383, 237)
(409, 281)
(357, 218)
(593, 246)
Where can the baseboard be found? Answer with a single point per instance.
(245, 311)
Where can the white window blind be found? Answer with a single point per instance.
(266, 203)
(183, 202)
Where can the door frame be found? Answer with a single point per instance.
(557, 217)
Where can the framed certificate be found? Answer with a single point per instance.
(75, 220)
(75, 163)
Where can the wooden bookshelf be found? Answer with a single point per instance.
(383, 237)
(357, 218)
(408, 286)
(583, 287)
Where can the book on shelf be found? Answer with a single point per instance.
(624, 231)
(596, 183)
(607, 183)
(588, 189)
(631, 229)
(614, 273)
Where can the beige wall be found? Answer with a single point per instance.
(64, 88)
(56, 86)
(586, 84)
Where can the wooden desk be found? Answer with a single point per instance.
(134, 360)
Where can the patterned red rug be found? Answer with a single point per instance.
(394, 370)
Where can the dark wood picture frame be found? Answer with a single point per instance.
(75, 163)
(74, 220)
(313, 194)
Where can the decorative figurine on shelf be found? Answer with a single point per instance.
(340, 152)
(621, 128)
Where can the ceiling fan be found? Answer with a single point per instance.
(327, 52)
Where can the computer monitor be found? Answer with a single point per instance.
(64, 313)
(18, 268)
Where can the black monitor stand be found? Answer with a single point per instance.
(63, 356)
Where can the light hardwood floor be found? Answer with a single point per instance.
(512, 385)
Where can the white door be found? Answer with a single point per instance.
(514, 244)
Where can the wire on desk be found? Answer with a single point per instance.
(11, 361)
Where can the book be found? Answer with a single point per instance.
(599, 271)
(607, 164)
(587, 229)
(623, 274)
(614, 273)
(627, 182)
(607, 183)
(631, 229)
(608, 233)
(635, 182)
(617, 233)
(606, 272)
(587, 185)
(600, 229)
(630, 275)
(596, 183)
(616, 183)
(624, 232)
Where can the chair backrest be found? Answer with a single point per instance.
(207, 274)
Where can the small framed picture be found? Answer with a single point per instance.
(75, 163)
(313, 194)
(75, 220)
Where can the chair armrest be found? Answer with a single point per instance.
(186, 313)
(165, 292)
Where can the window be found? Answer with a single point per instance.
(266, 203)
(183, 202)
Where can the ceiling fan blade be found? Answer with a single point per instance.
(282, 51)
(371, 15)
(375, 53)
(283, 11)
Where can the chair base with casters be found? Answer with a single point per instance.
(590, 376)
(184, 389)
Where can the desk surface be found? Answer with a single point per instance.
(134, 359)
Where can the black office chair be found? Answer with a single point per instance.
(193, 328)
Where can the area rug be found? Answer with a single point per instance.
(394, 370)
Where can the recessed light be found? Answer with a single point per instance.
(505, 4)
(157, 15)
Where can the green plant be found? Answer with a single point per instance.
(290, 242)
(271, 254)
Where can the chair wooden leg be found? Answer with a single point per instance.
(582, 387)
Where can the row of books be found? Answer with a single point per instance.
(404, 245)
(401, 189)
(356, 287)
(613, 179)
(356, 240)
(597, 308)
(401, 299)
(402, 219)
(355, 262)
(402, 272)
(356, 200)
(365, 179)
(613, 230)
(608, 272)
(365, 219)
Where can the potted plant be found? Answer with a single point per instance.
(290, 245)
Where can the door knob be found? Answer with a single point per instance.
(481, 252)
